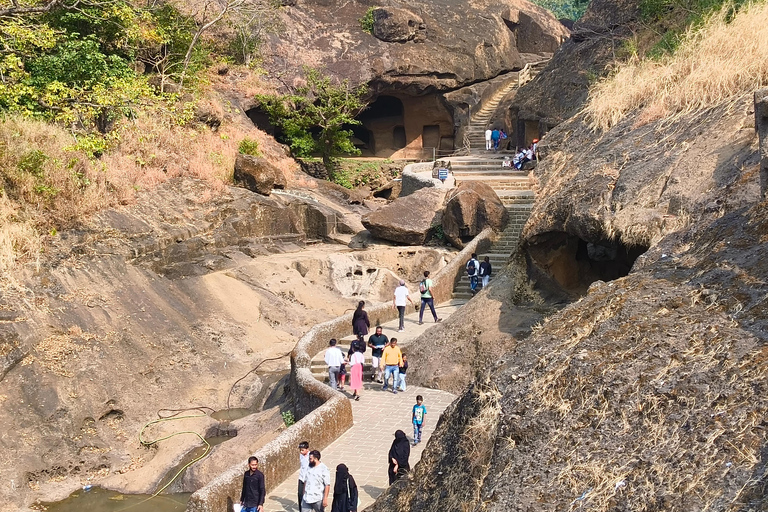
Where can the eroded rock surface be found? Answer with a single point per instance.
(415, 47)
(258, 174)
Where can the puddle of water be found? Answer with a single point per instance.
(231, 414)
(101, 500)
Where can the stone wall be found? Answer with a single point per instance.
(323, 413)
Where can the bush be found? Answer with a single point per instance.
(249, 147)
(288, 418)
(366, 22)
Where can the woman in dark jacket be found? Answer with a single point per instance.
(398, 456)
(344, 491)
(360, 322)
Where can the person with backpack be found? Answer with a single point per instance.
(495, 136)
(485, 271)
(473, 269)
(425, 288)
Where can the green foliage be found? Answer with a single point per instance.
(438, 233)
(313, 116)
(366, 22)
(565, 9)
(249, 147)
(75, 64)
(32, 163)
(341, 177)
(288, 418)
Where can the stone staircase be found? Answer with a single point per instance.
(519, 207)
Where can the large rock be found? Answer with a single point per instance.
(471, 207)
(407, 220)
(258, 174)
(414, 47)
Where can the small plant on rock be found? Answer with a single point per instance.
(366, 22)
(249, 147)
(288, 418)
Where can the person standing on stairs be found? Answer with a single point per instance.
(488, 143)
(485, 271)
(425, 288)
(473, 271)
(360, 322)
(495, 136)
(378, 342)
(334, 358)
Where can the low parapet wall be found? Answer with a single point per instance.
(324, 414)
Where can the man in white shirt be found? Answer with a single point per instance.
(334, 358)
(473, 271)
(488, 143)
(317, 484)
(402, 297)
(303, 465)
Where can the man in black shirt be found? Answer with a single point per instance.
(252, 497)
(377, 342)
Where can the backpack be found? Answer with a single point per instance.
(471, 268)
(423, 286)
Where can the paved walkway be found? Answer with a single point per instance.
(364, 447)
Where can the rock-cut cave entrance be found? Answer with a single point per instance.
(572, 264)
(383, 121)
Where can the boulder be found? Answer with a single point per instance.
(258, 174)
(390, 190)
(416, 181)
(395, 25)
(471, 207)
(407, 220)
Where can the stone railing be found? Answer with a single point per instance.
(324, 414)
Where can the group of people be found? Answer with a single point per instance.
(315, 478)
(478, 272)
(493, 137)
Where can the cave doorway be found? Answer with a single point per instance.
(430, 136)
(571, 264)
(384, 121)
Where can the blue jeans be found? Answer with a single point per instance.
(394, 370)
(428, 302)
(473, 282)
(417, 432)
(402, 381)
(249, 509)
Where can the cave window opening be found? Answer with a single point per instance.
(607, 260)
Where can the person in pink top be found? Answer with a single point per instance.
(356, 361)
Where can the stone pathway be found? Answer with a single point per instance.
(364, 447)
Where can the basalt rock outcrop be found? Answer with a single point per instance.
(258, 174)
(414, 47)
(472, 207)
(560, 89)
(650, 393)
(408, 220)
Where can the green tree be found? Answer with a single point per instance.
(313, 116)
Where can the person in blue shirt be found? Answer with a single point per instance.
(419, 411)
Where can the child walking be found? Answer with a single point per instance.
(403, 369)
(419, 411)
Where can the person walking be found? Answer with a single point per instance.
(393, 360)
(417, 418)
(317, 486)
(402, 297)
(253, 493)
(398, 457)
(488, 143)
(378, 343)
(473, 269)
(334, 358)
(425, 288)
(403, 370)
(485, 271)
(495, 136)
(360, 322)
(345, 494)
(356, 361)
(303, 465)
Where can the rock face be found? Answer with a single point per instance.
(619, 398)
(560, 89)
(471, 207)
(761, 125)
(415, 47)
(394, 25)
(258, 174)
(407, 220)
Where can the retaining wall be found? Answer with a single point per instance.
(324, 414)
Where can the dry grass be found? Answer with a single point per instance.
(715, 64)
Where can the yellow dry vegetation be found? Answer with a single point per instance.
(716, 63)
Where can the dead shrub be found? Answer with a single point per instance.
(718, 62)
